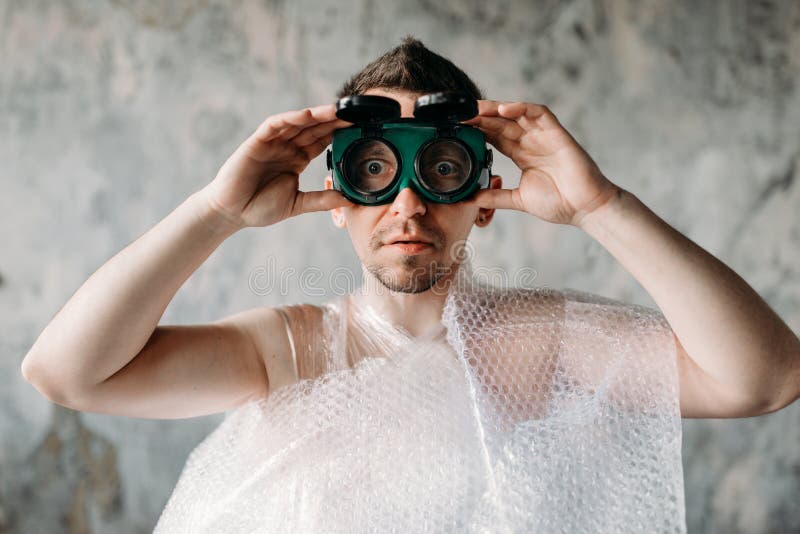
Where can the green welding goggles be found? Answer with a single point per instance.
(441, 160)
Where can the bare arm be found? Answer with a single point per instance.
(736, 357)
(112, 315)
(194, 370)
(103, 351)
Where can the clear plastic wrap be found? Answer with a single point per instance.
(525, 410)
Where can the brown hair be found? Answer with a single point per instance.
(411, 67)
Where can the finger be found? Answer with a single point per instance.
(311, 134)
(497, 199)
(315, 148)
(502, 133)
(500, 126)
(489, 108)
(528, 116)
(276, 124)
(494, 107)
(290, 133)
(308, 201)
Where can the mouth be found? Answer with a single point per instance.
(411, 247)
(408, 239)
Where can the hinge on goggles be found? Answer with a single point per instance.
(372, 129)
(446, 130)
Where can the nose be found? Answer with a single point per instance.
(407, 203)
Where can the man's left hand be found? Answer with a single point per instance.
(560, 182)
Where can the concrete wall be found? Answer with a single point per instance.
(112, 113)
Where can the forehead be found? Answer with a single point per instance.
(405, 98)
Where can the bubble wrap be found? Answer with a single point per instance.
(525, 410)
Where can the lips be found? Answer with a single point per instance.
(411, 247)
(409, 240)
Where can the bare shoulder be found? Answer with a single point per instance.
(280, 337)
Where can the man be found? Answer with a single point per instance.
(736, 357)
(104, 351)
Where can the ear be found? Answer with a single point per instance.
(337, 214)
(485, 215)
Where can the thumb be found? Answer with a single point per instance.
(308, 201)
(498, 199)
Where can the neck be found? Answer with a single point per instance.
(417, 313)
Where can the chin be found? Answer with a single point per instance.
(408, 274)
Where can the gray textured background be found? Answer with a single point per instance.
(112, 113)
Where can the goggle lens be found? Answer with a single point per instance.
(445, 165)
(370, 165)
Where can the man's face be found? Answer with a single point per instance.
(441, 229)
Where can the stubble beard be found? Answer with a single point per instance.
(412, 276)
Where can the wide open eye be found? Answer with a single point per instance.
(445, 165)
(375, 167)
(447, 169)
(370, 165)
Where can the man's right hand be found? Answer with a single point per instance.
(259, 183)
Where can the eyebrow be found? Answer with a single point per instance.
(376, 151)
(447, 151)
